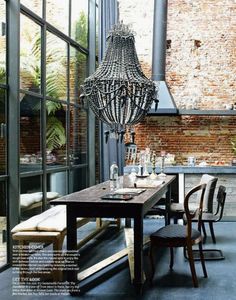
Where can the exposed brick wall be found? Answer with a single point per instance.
(200, 62)
(30, 135)
(205, 137)
(200, 71)
(78, 134)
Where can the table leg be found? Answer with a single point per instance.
(128, 222)
(138, 253)
(71, 239)
(168, 201)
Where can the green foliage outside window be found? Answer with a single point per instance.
(2, 75)
(55, 78)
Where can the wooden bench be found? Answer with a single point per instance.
(50, 227)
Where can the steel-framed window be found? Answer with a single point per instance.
(43, 174)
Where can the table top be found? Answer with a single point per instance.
(93, 194)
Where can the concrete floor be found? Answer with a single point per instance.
(115, 284)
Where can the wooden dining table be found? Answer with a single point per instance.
(88, 203)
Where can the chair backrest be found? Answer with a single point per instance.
(210, 182)
(197, 214)
(221, 195)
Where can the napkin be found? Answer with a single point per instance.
(129, 191)
(147, 183)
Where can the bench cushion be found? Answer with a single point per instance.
(53, 219)
(28, 199)
(52, 195)
(31, 198)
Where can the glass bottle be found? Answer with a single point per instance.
(113, 177)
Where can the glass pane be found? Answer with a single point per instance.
(31, 196)
(97, 32)
(2, 42)
(3, 225)
(3, 132)
(78, 136)
(78, 179)
(56, 185)
(57, 14)
(30, 133)
(79, 21)
(35, 6)
(78, 73)
(30, 55)
(56, 134)
(56, 68)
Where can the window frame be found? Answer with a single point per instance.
(12, 179)
(47, 27)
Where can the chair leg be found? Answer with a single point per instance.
(202, 260)
(212, 232)
(184, 250)
(118, 223)
(151, 262)
(171, 257)
(175, 220)
(204, 230)
(192, 266)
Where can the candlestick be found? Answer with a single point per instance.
(163, 156)
(153, 175)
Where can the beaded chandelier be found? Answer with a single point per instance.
(118, 92)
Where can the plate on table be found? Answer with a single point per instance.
(142, 176)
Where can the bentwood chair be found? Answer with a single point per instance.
(176, 210)
(176, 235)
(211, 218)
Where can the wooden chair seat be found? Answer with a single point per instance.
(174, 233)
